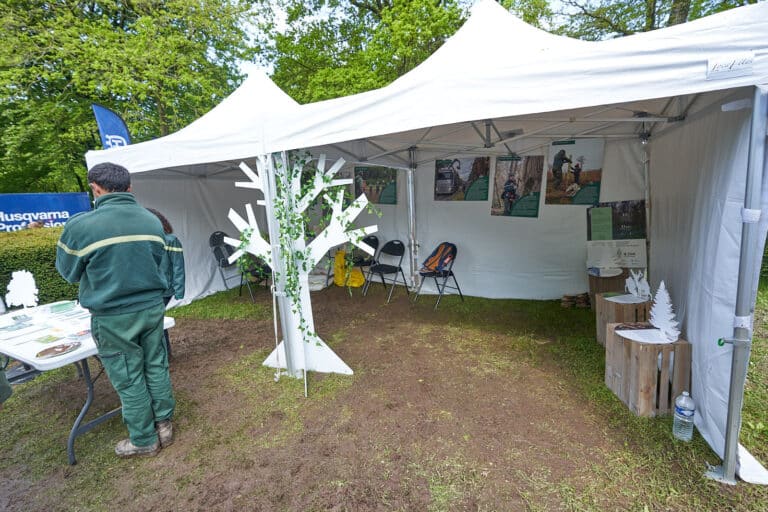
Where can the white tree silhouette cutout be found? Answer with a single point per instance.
(22, 290)
(662, 316)
(290, 257)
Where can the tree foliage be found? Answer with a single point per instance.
(163, 63)
(159, 63)
(600, 19)
(330, 48)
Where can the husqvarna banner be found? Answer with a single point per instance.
(112, 128)
(19, 211)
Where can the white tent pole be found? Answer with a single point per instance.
(647, 197)
(748, 263)
(413, 244)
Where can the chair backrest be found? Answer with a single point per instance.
(394, 249)
(442, 258)
(221, 251)
(373, 241)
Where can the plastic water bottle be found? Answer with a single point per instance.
(682, 425)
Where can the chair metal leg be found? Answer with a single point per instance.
(223, 278)
(418, 291)
(405, 284)
(440, 291)
(457, 287)
(366, 284)
(391, 288)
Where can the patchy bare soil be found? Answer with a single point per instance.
(443, 413)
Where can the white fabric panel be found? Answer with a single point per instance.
(623, 178)
(697, 192)
(210, 201)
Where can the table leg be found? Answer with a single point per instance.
(79, 428)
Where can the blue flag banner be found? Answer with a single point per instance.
(114, 132)
(17, 211)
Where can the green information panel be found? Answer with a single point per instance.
(601, 223)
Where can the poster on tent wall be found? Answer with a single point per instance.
(574, 171)
(379, 184)
(618, 220)
(517, 186)
(462, 179)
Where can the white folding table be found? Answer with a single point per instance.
(24, 333)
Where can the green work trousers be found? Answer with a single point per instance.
(132, 351)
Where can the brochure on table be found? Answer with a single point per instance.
(24, 333)
(47, 337)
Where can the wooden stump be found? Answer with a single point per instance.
(639, 373)
(607, 312)
(606, 284)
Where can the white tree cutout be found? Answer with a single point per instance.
(662, 316)
(22, 290)
(290, 257)
(637, 285)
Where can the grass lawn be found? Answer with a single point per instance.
(262, 446)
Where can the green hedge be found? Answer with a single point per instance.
(34, 250)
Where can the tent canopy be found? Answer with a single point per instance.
(495, 66)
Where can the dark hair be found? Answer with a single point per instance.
(111, 177)
(166, 225)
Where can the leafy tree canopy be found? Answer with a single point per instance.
(330, 48)
(159, 63)
(601, 19)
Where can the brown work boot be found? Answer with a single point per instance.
(126, 448)
(165, 432)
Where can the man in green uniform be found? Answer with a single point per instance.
(115, 252)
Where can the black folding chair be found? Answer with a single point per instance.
(392, 252)
(363, 259)
(222, 252)
(439, 266)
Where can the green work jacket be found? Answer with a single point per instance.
(115, 252)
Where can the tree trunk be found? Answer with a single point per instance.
(679, 12)
(650, 15)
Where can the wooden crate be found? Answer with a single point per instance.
(633, 373)
(606, 284)
(607, 312)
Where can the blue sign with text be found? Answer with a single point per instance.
(17, 211)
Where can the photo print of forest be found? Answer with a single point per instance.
(517, 186)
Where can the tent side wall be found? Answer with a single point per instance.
(510, 257)
(210, 199)
(697, 191)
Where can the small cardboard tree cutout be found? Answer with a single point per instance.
(637, 285)
(22, 290)
(290, 257)
(662, 316)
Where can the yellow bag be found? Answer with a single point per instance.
(354, 279)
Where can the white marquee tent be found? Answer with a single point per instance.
(500, 86)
